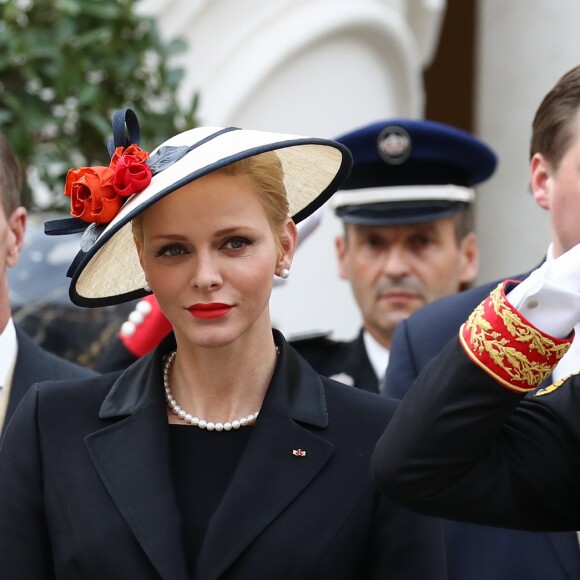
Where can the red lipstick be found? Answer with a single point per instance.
(210, 310)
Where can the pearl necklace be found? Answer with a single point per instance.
(196, 421)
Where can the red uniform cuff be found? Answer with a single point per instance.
(507, 347)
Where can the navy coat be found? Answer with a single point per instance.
(35, 364)
(86, 486)
(517, 555)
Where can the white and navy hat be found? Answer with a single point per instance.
(107, 270)
(409, 171)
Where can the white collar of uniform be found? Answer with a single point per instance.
(8, 348)
(378, 355)
(568, 364)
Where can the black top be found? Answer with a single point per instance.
(203, 463)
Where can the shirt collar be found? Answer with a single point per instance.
(8, 348)
(378, 355)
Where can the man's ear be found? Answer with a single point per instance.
(340, 244)
(541, 180)
(469, 260)
(17, 229)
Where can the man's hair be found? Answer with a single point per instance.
(464, 222)
(555, 121)
(10, 177)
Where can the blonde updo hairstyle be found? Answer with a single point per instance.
(265, 171)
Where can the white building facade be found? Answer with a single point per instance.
(324, 67)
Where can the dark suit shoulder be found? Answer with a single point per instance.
(44, 365)
(76, 391)
(360, 407)
(323, 353)
(315, 342)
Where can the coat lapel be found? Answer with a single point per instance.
(272, 472)
(131, 457)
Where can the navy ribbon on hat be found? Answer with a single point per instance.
(126, 132)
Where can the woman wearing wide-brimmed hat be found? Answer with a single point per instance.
(221, 454)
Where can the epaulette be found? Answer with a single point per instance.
(554, 386)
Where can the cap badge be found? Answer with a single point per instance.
(394, 145)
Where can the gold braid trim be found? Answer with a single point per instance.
(507, 347)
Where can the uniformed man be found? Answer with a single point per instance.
(408, 237)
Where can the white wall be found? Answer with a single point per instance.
(315, 67)
(524, 47)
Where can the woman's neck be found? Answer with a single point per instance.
(225, 383)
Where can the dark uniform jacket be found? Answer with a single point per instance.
(516, 462)
(517, 555)
(34, 364)
(347, 361)
(86, 487)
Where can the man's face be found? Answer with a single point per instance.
(394, 270)
(558, 190)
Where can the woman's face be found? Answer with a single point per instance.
(209, 255)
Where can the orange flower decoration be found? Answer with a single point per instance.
(97, 193)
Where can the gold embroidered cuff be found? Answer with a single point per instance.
(507, 347)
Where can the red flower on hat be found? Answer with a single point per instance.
(97, 193)
(93, 197)
(132, 174)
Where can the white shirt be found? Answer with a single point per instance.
(570, 362)
(550, 299)
(378, 356)
(8, 352)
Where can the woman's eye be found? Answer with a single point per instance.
(237, 243)
(170, 251)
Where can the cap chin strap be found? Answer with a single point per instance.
(369, 195)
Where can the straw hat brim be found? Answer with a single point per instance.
(110, 273)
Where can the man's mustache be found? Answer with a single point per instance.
(409, 284)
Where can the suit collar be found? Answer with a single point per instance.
(138, 387)
(132, 458)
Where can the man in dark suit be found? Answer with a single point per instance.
(22, 362)
(408, 235)
(422, 336)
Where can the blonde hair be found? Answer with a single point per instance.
(267, 174)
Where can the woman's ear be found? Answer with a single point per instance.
(288, 244)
